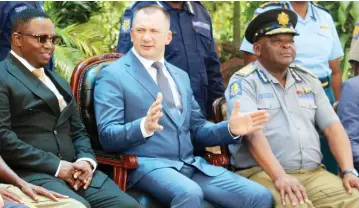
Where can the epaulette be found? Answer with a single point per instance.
(201, 4)
(247, 70)
(300, 68)
(284, 5)
(320, 7)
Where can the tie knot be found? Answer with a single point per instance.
(157, 65)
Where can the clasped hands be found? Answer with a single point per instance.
(78, 174)
(239, 123)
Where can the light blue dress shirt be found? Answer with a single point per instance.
(318, 42)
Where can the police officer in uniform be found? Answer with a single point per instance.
(192, 48)
(318, 49)
(8, 11)
(285, 156)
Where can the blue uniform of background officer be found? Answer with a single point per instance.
(318, 49)
(8, 11)
(192, 48)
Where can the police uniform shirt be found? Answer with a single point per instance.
(318, 42)
(294, 110)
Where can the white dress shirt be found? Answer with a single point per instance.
(53, 88)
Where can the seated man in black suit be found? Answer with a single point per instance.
(41, 134)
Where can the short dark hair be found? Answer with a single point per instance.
(150, 9)
(23, 18)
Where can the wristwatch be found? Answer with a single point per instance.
(353, 171)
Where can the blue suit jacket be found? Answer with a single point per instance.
(348, 112)
(123, 94)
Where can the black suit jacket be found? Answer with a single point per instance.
(34, 134)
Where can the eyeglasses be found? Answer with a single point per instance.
(42, 39)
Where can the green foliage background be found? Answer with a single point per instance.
(91, 28)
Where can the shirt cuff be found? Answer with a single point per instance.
(144, 133)
(58, 169)
(93, 163)
(234, 137)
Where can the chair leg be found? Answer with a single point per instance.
(120, 177)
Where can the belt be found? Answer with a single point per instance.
(325, 81)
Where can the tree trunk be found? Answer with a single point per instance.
(236, 24)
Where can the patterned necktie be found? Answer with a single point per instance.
(41, 76)
(164, 85)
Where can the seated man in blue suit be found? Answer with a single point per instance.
(145, 106)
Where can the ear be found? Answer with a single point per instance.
(168, 37)
(257, 49)
(16, 39)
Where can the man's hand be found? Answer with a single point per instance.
(246, 123)
(67, 170)
(288, 185)
(32, 191)
(153, 116)
(349, 181)
(10, 196)
(83, 174)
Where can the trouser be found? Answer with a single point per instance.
(188, 188)
(328, 158)
(324, 190)
(43, 201)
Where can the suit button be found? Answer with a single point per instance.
(59, 155)
(55, 132)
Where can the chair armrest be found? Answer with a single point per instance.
(217, 159)
(120, 164)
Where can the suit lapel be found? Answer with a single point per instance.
(66, 112)
(139, 73)
(24, 75)
(181, 87)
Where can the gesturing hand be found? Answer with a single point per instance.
(288, 185)
(246, 123)
(153, 116)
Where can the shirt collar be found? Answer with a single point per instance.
(310, 12)
(187, 6)
(146, 62)
(24, 62)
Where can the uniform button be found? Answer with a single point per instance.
(55, 132)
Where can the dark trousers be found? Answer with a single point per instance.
(106, 195)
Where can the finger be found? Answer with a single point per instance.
(77, 185)
(356, 184)
(158, 127)
(155, 110)
(159, 97)
(84, 177)
(282, 196)
(304, 193)
(347, 186)
(237, 106)
(259, 114)
(298, 193)
(57, 195)
(77, 174)
(291, 196)
(256, 128)
(87, 184)
(30, 193)
(12, 197)
(47, 194)
(260, 121)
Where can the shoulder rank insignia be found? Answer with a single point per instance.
(262, 76)
(235, 89)
(245, 71)
(300, 68)
(295, 76)
(320, 7)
